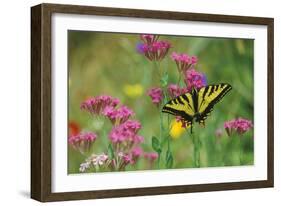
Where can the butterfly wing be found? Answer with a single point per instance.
(181, 106)
(209, 96)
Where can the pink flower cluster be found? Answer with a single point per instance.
(82, 141)
(194, 79)
(107, 106)
(118, 116)
(152, 48)
(156, 95)
(175, 90)
(126, 132)
(184, 61)
(96, 105)
(125, 142)
(132, 157)
(239, 126)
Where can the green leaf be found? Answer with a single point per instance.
(164, 80)
(169, 159)
(110, 151)
(156, 146)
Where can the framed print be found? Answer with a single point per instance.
(136, 102)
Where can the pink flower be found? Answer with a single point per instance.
(118, 116)
(149, 38)
(156, 95)
(131, 157)
(194, 79)
(154, 51)
(138, 139)
(239, 126)
(128, 159)
(151, 156)
(82, 141)
(126, 132)
(96, 105)
(137, 152)
(175, 90)
(184, 61)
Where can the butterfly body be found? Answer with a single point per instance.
(197, 105)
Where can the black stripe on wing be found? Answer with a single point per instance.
(170, 110)
(209, 108)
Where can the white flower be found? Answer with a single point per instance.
(84, 166)
(98, 160)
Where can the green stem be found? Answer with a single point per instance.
(179, 79)
(196, 150)
(240, 150)
(158, 161)
(157, 66)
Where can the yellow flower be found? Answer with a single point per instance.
(176, 129)
(133, 90)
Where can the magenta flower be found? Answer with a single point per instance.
(157, 50)
(239, 126)
(149, 38)
(126, 132)
(194, 79)
(137, 152)
(154, 51)
(128, 159)
(96, 105)
(131, 157)
(118, 116)
(184, 61)
(138, 139)
(156, 95)
(83, 141)
(175, 90)
(151, 156)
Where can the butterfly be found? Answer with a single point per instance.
(197, 104)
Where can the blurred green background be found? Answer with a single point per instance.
(108, 63)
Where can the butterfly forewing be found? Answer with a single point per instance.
(181, 106)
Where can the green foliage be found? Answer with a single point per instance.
(169, 159)
(110, 151)
(164, 80)
(156, 145)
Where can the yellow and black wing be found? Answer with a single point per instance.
(209, 96)
(182, 106)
